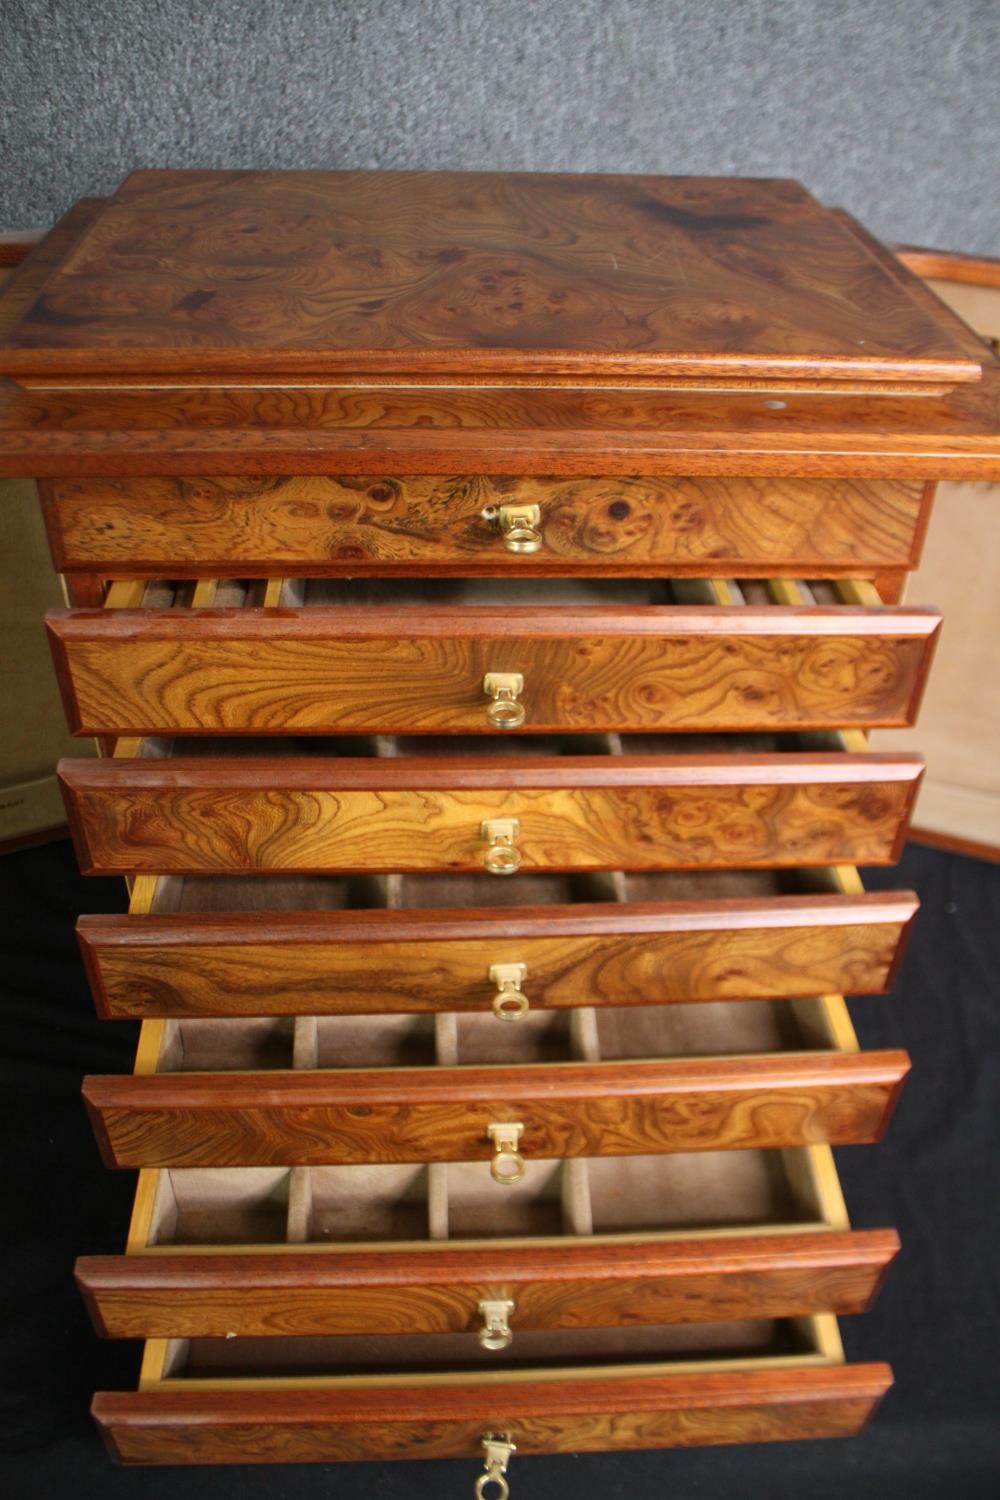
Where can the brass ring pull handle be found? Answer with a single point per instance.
(495, 1332)
(502, 688)
(492, 1486)
(520, 527)
(502, 857)
(509, 1003)
(507, 1166)
(497, 1450)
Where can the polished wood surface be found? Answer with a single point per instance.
(442, 1114)
(35, 266)
(579, 1412)
(501, 431)
(327, 525)
(447, 274)
(578, 1283)
(916, 288)
(420, 668)
(312, 963)
(579, 812)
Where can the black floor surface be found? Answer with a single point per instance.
(936, 1177)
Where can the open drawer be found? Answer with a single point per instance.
(461, 1087)
(537, 803)
(436, 1249)
(478, 657)
(323, 944)
(282, 1400)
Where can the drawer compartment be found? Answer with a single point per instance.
(745, 801)
(321, 944)
(287, 1400)
(454, 1088)
(432, 656)
(263, 1252)
(330, 525)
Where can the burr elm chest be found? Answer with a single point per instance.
(481, 586)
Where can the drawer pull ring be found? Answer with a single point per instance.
(497, 1450)
(520, 527)
(502, 856)
(504, 711)
(507, 1165)
(495, 1332)
(509, 1002)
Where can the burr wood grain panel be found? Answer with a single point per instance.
(311, 963)
(455, 274)
(419, 669)
(442, 1114)
(581, 812)
(576, 1283)
(579, 1412)
(329, 525)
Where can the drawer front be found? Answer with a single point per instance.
(329, 525)
(446, 1114)
(575, 1413)
(314, 963)
(682, 812)
(417, 669)
(576, 1284)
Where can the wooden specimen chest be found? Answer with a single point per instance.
(480, 587)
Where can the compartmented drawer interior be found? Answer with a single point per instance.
(762, 1341)
(450, 1040)
(366, 1206)
(605, 890)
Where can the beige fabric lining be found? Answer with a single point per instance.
(460, 1201)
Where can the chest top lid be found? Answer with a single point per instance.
(458, 276)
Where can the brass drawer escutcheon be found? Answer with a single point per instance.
(507, 1165)
(502, 688)
(509, 1002)
(502, 857)
(496, 1331)
(497, 1451)
(520, 527)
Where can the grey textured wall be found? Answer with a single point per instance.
(889, 107)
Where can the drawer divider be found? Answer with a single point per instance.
(305, 1043)
(299, 1205)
